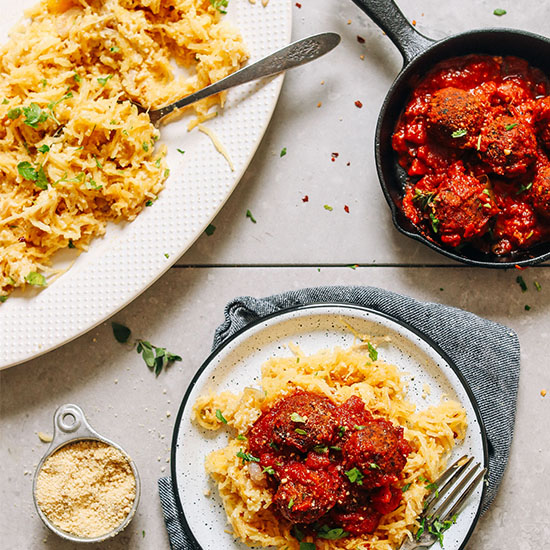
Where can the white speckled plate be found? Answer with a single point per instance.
(131, 257)
(237, 364)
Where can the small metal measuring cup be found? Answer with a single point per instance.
(70, 425)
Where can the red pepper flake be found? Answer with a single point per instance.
(333, 159)
(358, 104)
(414, 22)
(298, 5)
(335, 155)
(305, 198)
(360, 39)
(520, 267)
(346, 208)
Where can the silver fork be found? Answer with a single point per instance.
(451, 491)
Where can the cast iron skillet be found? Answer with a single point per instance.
(419, 55)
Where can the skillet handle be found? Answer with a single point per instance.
(391, 20)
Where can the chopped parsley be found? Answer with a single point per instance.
(36, 279)
(145, 146)
(523, 188)
(283, 152)
(181, 151)
(373, 354)
(434, 222)
(247, 457)
(120, 332)
(437, 528)
(14, 113)
(104, 80)
(3, 298)
(43, 148)
(114, 49)
(44, 82)
(374, 466)
(241, 437)
(509, 127)
(97, 163)
(342, 430)
(273, 445)
(28, 172)
(358, 428)
(155, 358)
(220, 5)
(420, 529)
(537, 286)
(355, 476)
(34, 115)
(307, 546)
(249, 215)
(71, 244)
(521, 282)
(422, 200)
(269, 470)
(91, 184)
(220, 416)
(434, 488)
(325, 532)
(405, 487)
(210, 230)
(335, 448)
(295, 417)
(499, 12)
(328, 207)
(459, 133)
(291, 504)
(527, 307)
(321, 449)
(300, 431)
(77, 77)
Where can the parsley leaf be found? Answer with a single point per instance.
(355, 476)
(34, 115)
(269, 470)
(307, 546)
(434, 221)
(220, 5)
(405, 488)
(249, 215)
(283, 152)
(210, 230)
(459, 133)
(220, 416)
(155, 358)
(41, 180)
(521, 282)
(241, 437)
(300, 431)
(509, 127)
(328, 207)
(373, 353)
(181, 151)
(14, 113)
(43, 148)
(331, 534)
(437, 528)
(145, 146)
(27, 171)
(104, 80)
(91, 184)
(247, 457)
(36, 279)
(295, 417)
(120, 332)
(499, 12)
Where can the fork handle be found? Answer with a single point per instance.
(293, 55)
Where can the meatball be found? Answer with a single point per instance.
(461, 207)
(299, 421)
(375, 454)
(540, 192)
(304, 495)
(455, 116)
(542, 115)
(507, 145)
(350, 414)
(363, 520)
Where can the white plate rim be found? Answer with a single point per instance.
(314, 308)
(42, 341)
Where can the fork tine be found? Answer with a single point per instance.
(440, 504)
(445, 481)
(457, 508)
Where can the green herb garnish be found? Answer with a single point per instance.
(355, 476)
(283, 152)
(34, 115)
(241, 437)
(145, 146)
(247, 457)
(307, 546)
(459, 133)
(104, 80)
(220, 416)
(499, 12)
(114, 49)
(300, 431)
(120, 332)
(295, 417)
(181, 151)
(521, 282)
(249, 215)
(321, 449)
(328, 207)
(373, 354)
(422, 200)
(155, 358)
(77, 77)
(220, 5)
(269, 470)
(405, 487)
(420, 529)
(43, 148)
(509, 127)
(374, 466)
(342, 430)
(434, 222)
(14, 113)
(437, 528)
(325, 532)
(537, 286)
(291, 504)
(210, 230)
(36, 279)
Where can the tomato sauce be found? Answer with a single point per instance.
(330, 467)
(474, 140)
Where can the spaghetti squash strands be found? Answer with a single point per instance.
(74, 152)
(337, 373)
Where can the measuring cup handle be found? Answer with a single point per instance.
(391, 20)
(70, 423)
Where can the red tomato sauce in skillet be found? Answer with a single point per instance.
(474, 140)
(330, 467)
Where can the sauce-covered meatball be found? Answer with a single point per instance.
(542, 115)
(508, 145)
(300, 421)
(377, 450)
(304, 495)
(540, 192)
(455, 116)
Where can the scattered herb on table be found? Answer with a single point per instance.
(537, 286)
(521, 282)
(499, 12)
(527, 307)
(249, 215)
(283, 152)
(210, 229)
(181, 151)
(328, 207)
(156, 358)
(120, 332)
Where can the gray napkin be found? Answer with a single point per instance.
(486, 353)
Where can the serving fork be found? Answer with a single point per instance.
(452, 489)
